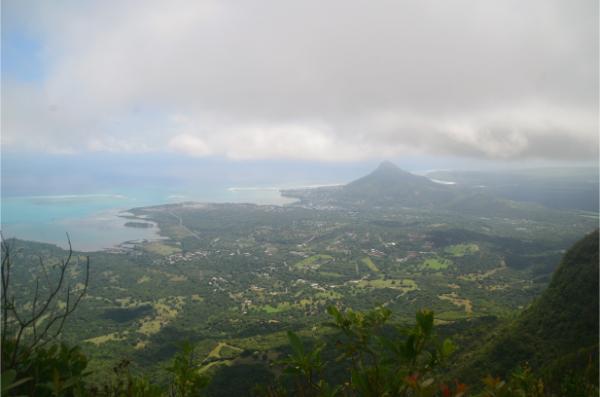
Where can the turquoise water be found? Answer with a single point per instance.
(93, 221)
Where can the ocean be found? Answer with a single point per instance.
(95, 221)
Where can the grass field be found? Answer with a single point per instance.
(370, 264)
(405, 285)
(436, 263)
(462, 249)
(115, 336)
(456, 300)
(280, 307)
(313, 262)
(161, 249)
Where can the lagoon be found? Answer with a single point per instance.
(96, 221)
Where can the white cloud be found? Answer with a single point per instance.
(338, 81)
(189, 144)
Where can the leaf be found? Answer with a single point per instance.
(333, 311)
(339, 318)
(448, 347)
(359, 381)
(70, 383)
(408, 350)
(427, 383)
(292, 370)
(296, 344)
(327, 391)
(491, 381)
(8, 380)
(425, 321)
(8, 377)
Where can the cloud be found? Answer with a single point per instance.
(337, 80)
(189, 144)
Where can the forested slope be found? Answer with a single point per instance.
(558, 333)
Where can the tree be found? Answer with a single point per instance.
(30, 323)
(376, 364)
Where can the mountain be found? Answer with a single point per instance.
(389, 175)
(559, 332)
(389, 187)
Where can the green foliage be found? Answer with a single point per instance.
(29, 322)
(237, 281)
(249, 292)
(524, 383)
(305, 366)
(125, 384)
(379, 360)
(187, 382)
(558, 332)
(55, 371)
(61, 371)
(8, 382)
(406, 364)
(378, 365)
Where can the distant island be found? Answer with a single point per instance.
(139, 225)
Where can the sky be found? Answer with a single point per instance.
(338, 81)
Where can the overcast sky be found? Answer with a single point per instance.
(338, 80)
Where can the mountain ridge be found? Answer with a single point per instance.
(558, 332)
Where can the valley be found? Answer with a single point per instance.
(234, 278)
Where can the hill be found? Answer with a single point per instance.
(560, 188)
(558, 333)
(391, 188)
(387, 186)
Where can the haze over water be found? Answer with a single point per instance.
(95, 221)
(45, 196)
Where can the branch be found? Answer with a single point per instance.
(5, 270)
(56, 319)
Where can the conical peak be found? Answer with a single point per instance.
(388, 165)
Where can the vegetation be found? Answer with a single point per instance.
(29, 323)
(559, 332)
(371, 356)
(253, 288)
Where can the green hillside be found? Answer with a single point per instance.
(558, 333)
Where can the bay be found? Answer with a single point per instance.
(95, 221)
